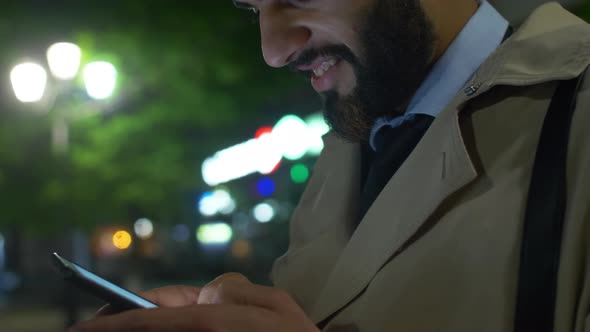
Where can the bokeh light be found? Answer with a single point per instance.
(263, 212)
(241, 249)
(256, 155)
(122, 240)
(318, 128)
(180, 233)
(206, 207)
(218, 201)
(28, 82)
(269, 156)
(64, 60)
(263, 131)
(266, 187)
(214, 233)
(100, 78)
(144, 228)
(299, 173)
(292, 137)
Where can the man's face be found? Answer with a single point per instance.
(365, 57)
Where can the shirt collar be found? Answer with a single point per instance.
(480, 37)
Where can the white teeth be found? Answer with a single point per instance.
(324, 67)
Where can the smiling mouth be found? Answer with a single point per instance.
(320, 70)
(324, 74)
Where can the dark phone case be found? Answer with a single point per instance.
(117, 302)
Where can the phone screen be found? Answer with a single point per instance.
(101, 287)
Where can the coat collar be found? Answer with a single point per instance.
(552, 45)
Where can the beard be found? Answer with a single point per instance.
(397, 41)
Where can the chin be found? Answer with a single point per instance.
(347, 117)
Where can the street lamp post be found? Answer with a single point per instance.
(29, 82)
(64, 62)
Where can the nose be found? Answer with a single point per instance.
(281, 36)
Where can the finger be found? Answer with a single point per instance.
(235, 292)
(133, 320)
(172, 296)
(209, 291)
(196, 318)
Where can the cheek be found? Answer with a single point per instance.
(336, 22)
(346, 79)
(331, 31)
(334, 32)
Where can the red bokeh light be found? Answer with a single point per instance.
(262, 130)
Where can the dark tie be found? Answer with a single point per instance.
(393, 146)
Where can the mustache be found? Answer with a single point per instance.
(307, 57)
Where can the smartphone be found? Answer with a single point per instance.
(119, 298)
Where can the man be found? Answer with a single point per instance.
(412, 220)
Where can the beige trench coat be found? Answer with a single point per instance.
(439, 249)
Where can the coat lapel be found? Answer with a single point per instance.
(393, 219)
(322, 224)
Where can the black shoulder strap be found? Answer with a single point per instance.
(544, 217)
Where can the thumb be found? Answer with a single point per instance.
(210, 293)
(236, 292)
(172, 296)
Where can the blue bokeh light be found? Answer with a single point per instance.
(266, 187)
(203, 198)
(181, 233)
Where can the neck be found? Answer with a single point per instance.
(448, 19)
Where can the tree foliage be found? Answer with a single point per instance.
(192, 81)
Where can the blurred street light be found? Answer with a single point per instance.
(266, 187)
(299, 173)
(28, 82)
(122, 240)
(263, 212)
(218, 201)
(144, 228)
(214, 234)
(241, 249)
(181, 233)
(64, 60)
(100, 79)
(292, 136)
(318, 127)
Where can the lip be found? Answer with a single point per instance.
(328, 80)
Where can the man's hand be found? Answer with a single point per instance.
(230, 303)
(172, 296)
